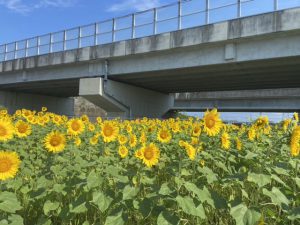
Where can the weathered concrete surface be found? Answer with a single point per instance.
(273, 100)
(84, 107)
(245, 53)
(116, 97)
(13, 101)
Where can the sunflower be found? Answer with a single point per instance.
(109, 131)
(75, 126)
(251, 133)
(212, 122)
(164, 135)
(139, 154)
(55, 142)
(9, 165)
(239, 144)
(286, 124)
(143, 138)
(77, 141)
(94, 140)
(196, 130)
(191, 151)
(133, 141)
(225, 139)
(295, 142)
(122, 139)
(123, 151)
(22, 129)
(296, 117)
(6, 130)
(150, 154)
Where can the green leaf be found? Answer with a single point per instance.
(15, 220)
(50, 206)
(276, 178)
(166, 218)
(189, 207)
(115, 219)
(9, 202)
(78, 206)
(297, 180)
(244, 216)
(94, 180)
(294, 214)
(164, 189)
(145, 207)
(276, 196)
(210, 175)
(129, 192)
(259, 179)
(102, 201)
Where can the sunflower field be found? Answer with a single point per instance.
(59, 170)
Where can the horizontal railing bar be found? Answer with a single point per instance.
(95, 29)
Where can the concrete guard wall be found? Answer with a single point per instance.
(116, 97)
(14, 101)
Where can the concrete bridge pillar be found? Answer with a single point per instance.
(13, 101)
(124, 100)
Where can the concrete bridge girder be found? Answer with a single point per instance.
(128, 101)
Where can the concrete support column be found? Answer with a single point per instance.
(15, 100)
(120, 99)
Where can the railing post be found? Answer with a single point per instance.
(5, 52)
(50, 44)
(207, 12)
(79, 37)
(15, 51)
(179, 15)
(275, 5)
(239, 9)
(38, 45)
(154, 21)
(95, 35)
(113, 30)
(26, 48)
(133, 26)
(65, 41)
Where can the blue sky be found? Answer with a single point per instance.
(20, 19)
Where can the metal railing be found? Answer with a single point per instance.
(175, 16)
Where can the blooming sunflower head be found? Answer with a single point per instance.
(109, 131)
(239, 144)
(9, 165)
(132, 140)
(122, 139)
(94, 140)
(55, 142)
(123, 151)
(22, 129)
(212, 122)
(225, 140)
(164, 135)
(196, 131)
(75, 127)
(150, 154)
(295, 142)
(6, 130)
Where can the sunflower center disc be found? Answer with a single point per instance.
(5, 165)
(3, 131)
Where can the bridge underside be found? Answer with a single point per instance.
(260, 74)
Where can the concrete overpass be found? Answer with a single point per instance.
(227, 63)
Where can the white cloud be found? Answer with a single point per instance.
(20, 6)
(137, 5)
